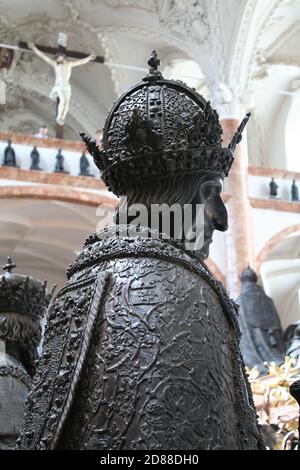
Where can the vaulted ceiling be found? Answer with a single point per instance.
(247, 50)
(43, 237)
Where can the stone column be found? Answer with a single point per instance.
(232, 107)
(239, 244)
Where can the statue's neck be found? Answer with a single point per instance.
(10, 349)
(171, 222)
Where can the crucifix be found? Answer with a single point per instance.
(61, 91)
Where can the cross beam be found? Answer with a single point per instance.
(54, 50)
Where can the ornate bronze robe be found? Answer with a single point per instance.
(141, 351)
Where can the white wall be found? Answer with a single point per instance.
(258, 186)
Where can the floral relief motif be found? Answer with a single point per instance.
(150, 362)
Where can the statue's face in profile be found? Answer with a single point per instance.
(215, 212)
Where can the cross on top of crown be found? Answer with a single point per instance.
(9, 266)
(153, 62)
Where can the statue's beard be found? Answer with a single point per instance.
(199, 237)
(201, 252)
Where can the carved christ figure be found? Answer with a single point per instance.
(61, 90)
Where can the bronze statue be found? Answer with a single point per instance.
(23, 301)
(9, 156)
(262, 335)
(84, 165)
(141, 348)
(273, 188)
(35, 159)
(295, 192)
(59, 165)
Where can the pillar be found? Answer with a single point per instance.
(239, 244)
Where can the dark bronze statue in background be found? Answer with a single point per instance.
(23, 301)
(35, 159)
(295, 192)
(273, 188)
(9, 156)
(84, 165)
(141, 348)
(59, 165)
(262, 335)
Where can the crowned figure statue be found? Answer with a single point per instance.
(273, 188)
(23, 301)
(141, 348)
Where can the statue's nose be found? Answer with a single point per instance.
(220, 219)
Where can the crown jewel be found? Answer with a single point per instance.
(9, 266)
(160, 128)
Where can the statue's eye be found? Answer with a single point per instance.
(210, 190)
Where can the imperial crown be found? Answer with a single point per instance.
(22, 295)
(157, 129)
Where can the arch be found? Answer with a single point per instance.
(57, 193)
(261, 257)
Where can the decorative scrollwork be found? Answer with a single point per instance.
(158, 129)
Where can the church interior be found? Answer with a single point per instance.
(241, 55)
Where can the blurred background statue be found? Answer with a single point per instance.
(273, 188)
(59, 165)
(84, 165)
(35, 159)
(262, 335)
(9, 156)
(295, 192)
(42, 133)
(23, 301)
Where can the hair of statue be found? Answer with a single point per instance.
(60, 54)
(24, 333)
(180, 190)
